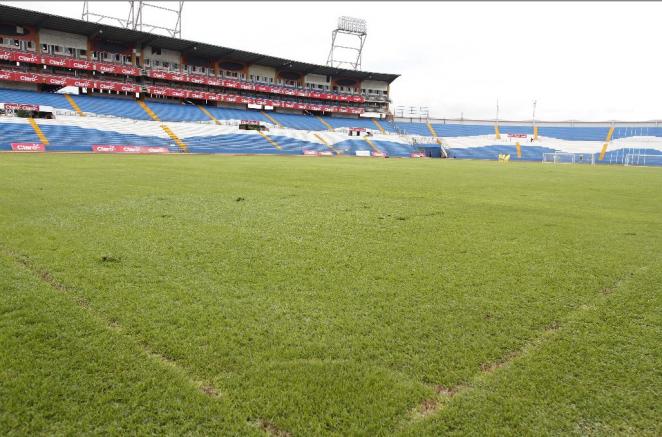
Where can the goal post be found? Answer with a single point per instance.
(642, 160)
(568, 158)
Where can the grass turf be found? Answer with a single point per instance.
(237, 295)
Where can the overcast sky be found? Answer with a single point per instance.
(580, 61)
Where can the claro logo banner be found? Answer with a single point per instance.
(28, 147)
(102, 148)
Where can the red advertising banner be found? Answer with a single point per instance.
(229, 83)
(231, 98)
(99, 148)
(169, 92)
(78, 64)
(67, 81)
(56, 61)
(316, 153)
(28, 147)
(21, 107)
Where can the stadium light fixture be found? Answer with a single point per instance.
(354, 25)
(354, 32)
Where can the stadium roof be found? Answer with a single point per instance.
(11, 15)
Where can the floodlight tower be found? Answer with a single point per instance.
(355, 32)
(135, 18)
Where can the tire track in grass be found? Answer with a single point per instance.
(432, 406)
(45, 276)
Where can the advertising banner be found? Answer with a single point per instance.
(28, 147)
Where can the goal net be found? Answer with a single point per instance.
(568, 158)
(643, 160)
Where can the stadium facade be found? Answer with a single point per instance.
(53, 51)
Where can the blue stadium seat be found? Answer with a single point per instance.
(462, 130)
(529, 153)
(393, 148)
(72, 138)
(505, 130)
(249, 143)
(624, 132)
(177, 111)
(115, 106)
(415, 129)
(350, 122)
(579, 133)
(34, 98)
(297, 121)
(349, 147)
(237, 114)
(16, 133)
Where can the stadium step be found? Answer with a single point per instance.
(182, 146)
(74, 105)
(535, 133)
(443, 149)
(266, 137)
(148, 110)
(610, 133)
(518, 146)
(37, 130)
(437, 139)
(431, 129)
(327, 144)
(328, 126)
(273, 120)
(496, 132)
(379, 125)
(372, 145)
(208, 114)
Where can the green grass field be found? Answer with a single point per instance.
(211, 295)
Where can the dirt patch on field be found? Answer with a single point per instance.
(109, 259)
(209, 390)
(271, 429)
(491, 367)
(448, 391)
(427, 407)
